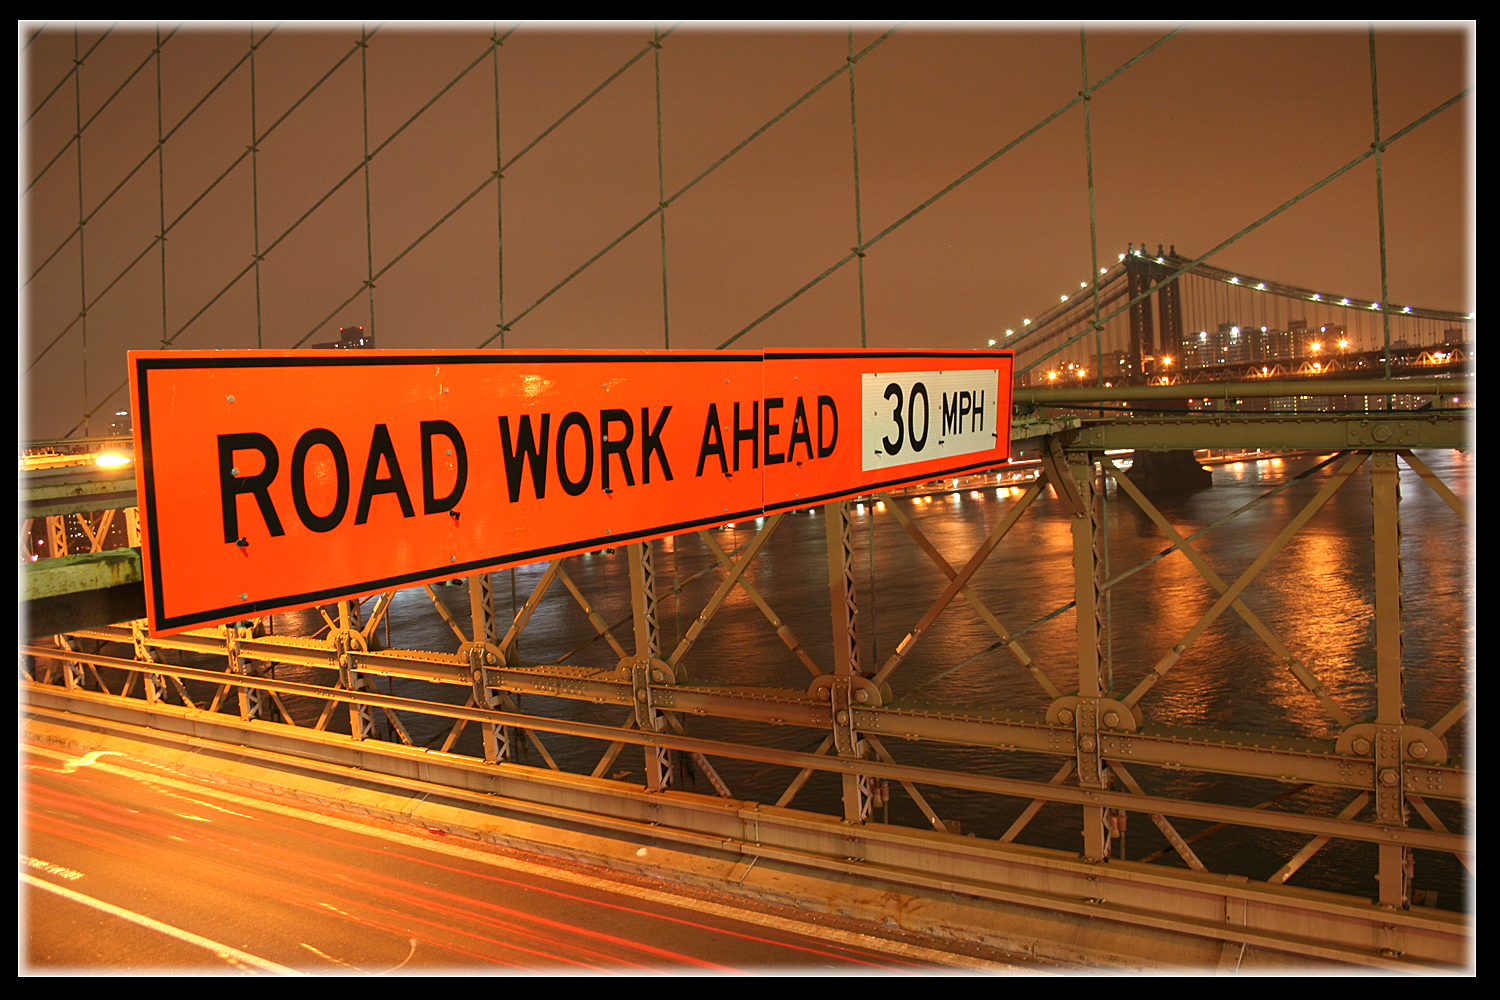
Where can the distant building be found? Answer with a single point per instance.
(351, 338)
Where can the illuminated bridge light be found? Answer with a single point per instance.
(1406, 309)
(1085, 284)
(992, 341)
(1064, 298)
(1103, 270)
(1234, 281)
(1025, 322)
(1343, 302)
(1010, 333)
(1374, 305)
(1261, 286)
(1316, 297)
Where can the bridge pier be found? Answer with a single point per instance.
(1169, 471)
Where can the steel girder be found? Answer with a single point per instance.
(843, 698)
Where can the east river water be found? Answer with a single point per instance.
(1317, 595)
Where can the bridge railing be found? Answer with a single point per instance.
(1146, 709)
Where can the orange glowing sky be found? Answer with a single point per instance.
(1200, 138)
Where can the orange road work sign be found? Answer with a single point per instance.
(278, 480)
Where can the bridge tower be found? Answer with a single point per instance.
(1144, 273)
(1176, 470)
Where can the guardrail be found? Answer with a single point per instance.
(1105, 741)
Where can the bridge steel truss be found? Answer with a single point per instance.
(1383, 769)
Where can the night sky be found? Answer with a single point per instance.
(1201, 137)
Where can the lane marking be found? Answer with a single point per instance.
(87, 760)
(412, 950)
(333, 961)
(50, 868)
(231, 955)
(786, 925)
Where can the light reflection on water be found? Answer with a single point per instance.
(1316, 596)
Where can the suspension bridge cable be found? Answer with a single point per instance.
(83, 315)
(494, 176)
(661, 197)
(166, 341)
(233, 281)
(692, 183)
(1380, 204)
(950, 187)
(76, 63)
(27, 44)
(859, 227)
(254, 196)
(364, 100)
(99, 111)
(500, 222)
(147, 159)
(161, 194)
(1088, 153)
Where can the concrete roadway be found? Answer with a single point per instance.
(127, 868)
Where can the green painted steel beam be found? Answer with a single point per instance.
(80, 591)
(77, 573)
(1064, 396)
(48, 492)
(1312, 432)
